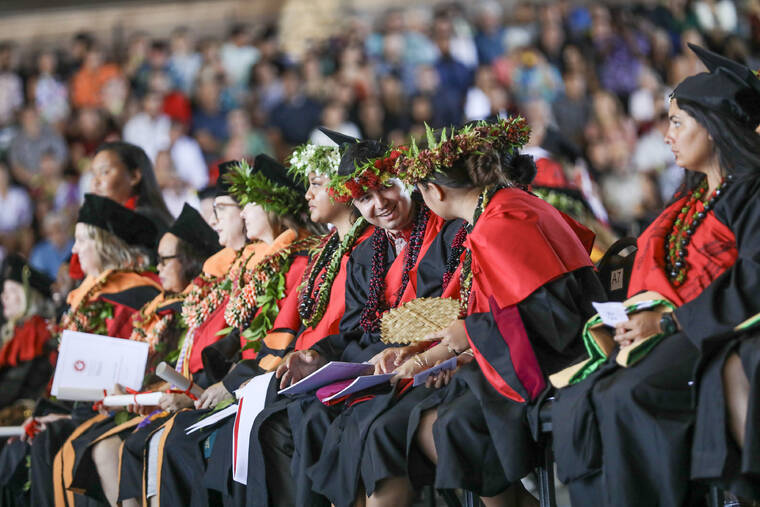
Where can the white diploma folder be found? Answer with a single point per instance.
(89, 364)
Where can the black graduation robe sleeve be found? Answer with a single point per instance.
(732, 298)
(359, 273)
(552, 319)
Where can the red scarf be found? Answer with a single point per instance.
(28, 342)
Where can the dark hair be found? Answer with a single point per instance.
(736, 144)
(148, 192)
(191, 260)
(489, 168)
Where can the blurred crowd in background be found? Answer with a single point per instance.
(597, 76)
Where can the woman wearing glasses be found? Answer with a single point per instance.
(181, 253)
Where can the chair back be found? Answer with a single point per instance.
(615, 268)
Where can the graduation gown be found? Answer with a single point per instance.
(81, 469)
(181, 457)
(646, 410)
(126, 292)
(480, 428)
(287, 438)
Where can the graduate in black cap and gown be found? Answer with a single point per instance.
(623, 436)
(181, 253)
(525, 283)
(275, 213)
(406, 257)
(25, 362)
(114, 245)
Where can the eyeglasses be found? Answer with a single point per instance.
(164, 259)
(215, 207)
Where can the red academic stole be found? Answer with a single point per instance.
(28, 342)
(711, 251)
(395, 273)
(519, 244)
(336, 305)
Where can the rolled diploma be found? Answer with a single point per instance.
(122, 400)
(11, 431)
(170, 375)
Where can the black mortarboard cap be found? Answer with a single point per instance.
(359, 153)
(729, 88)
(207, 192)
(16, 268)
(222, 185)
(276, 172)
(130, 226)
(191, 228)
(338, 138)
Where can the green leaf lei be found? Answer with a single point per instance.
(249, 186)
(465, 276)
(312, 309)
(419, 164)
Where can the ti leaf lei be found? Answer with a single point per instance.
(465, 276)
(329, 255)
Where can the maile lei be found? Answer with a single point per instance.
(90, 316)
(322, 271)
(465, 276)
(376, 303)
(265, 287)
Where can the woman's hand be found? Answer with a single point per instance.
(454, 337)
(43, 422)
(212, 396)
(640, 325)
(172, 402)
(297, 365)
(391, 358)
(442, 378)
(410, 368)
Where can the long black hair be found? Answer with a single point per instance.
(150, 202)
(736, 145)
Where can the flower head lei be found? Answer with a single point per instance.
(307, 158)
(365, 166)
(267, 184)
(418, 164)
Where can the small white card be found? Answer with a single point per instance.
(90, 363)
(611, 313)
